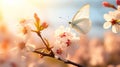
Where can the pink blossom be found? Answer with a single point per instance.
(65, 42)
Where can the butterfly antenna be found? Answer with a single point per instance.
(63, 18)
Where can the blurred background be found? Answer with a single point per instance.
(100, 48)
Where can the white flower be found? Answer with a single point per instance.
(113, 19)
(65, 43)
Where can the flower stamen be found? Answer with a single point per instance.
(63, 35)
(115, 21)
(68, 42)
(59, 51)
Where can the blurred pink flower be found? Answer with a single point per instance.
(97, 52)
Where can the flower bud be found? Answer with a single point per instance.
(118, 2)
(107, 4)
(44, 25)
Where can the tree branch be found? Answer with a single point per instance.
(44, 54)
(70, 62)
(43, 40)
(51, 54)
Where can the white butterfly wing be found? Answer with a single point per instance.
(81, 21)
(82, 13)
(82, 25)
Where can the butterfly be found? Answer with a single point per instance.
(81, 21)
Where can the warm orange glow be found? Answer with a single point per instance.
(12, 2)
(12, 11)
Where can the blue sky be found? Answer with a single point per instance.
(67, 8)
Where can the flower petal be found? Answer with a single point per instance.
(107, 17)
(114, 29)
(118, 7)
(107, 25)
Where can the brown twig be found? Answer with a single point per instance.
(65, 61)
(44, 54)
(38, 33)
(70, 62)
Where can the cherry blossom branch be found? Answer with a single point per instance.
(47, 51)
(51, 53)
(44, 54)
(70, 62)
(65, 61)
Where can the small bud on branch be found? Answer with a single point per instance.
(109, 5)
